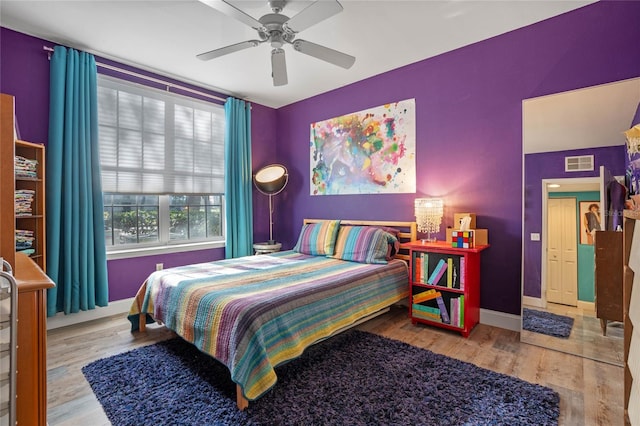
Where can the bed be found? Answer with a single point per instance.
(257, 312)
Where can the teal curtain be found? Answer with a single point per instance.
(76, 252)
(238, 178)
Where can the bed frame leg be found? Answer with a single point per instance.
(142, 322)
(241, 401)
(142, 317)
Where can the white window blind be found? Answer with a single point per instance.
(154, 142)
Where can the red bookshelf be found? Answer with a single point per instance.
(444, 285)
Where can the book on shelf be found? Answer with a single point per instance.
(417, 268)
(462, 265)
(450, 272)
(420, 267)
(456, 304)
(456, 282)
(440, 313)
(425, 295)
(424, 260)
(425, 308)
(427, 316)
(443, 310)
(426, 312)
(437, 273)
(455, 314)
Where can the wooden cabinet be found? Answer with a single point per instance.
(28, 185)
(32, 282)
(444, 285)
(608, 277)
(31, 401)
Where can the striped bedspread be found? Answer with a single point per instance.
(256, 312)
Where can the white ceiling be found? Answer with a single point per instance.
(165, 37)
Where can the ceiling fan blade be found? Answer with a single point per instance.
(326, 54)
(278, 67)
(229, 49)
(312, 14)
(234, 12)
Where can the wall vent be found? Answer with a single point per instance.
(578, 163)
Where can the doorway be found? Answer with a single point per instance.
(572, 188)
(562, 256)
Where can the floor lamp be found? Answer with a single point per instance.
(271, 180)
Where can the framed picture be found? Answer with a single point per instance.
(590, 221)
(365, 152)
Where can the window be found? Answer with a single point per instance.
(194, 217)
(140, 219)
(162, 164)
(131, 219)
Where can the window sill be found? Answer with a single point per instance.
(152, 251)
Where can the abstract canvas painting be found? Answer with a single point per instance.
(366, 152)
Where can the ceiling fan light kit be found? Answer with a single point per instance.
(279, 30)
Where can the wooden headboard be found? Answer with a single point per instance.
(408, 231)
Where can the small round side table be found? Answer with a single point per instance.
(266, 248)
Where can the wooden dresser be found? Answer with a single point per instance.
(608, 276)
(31, 401)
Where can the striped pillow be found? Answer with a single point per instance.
(364, 244)
(318, 238)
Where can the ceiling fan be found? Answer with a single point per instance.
(278, 30)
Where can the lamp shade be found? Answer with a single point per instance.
(429, 213)
(272, 179)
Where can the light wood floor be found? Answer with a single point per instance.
(590, 391)
(586, 338)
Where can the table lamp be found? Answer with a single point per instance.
(428, 213)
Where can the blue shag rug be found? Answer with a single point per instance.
(355, 378)
(546, 323)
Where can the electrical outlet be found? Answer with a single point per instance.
(159, 266)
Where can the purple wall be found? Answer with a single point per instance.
(468, 109)
(469, 128)
(24, 73)
(550, 165)
(263, 152)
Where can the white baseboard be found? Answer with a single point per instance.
(114, 308)
(500, 319)
(536, 302)
(587, 306)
